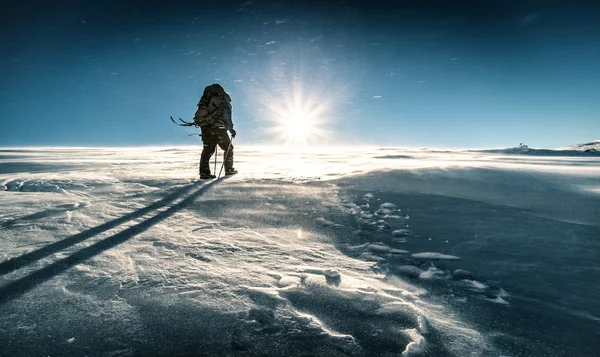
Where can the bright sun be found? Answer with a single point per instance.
(299, 121)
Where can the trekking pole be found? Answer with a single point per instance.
(216, 149)
(224, 158)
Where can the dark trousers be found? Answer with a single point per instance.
(211, 137)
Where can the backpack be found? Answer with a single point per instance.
(210, 108)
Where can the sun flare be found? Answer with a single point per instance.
(299, 121)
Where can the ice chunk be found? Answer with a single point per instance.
(383, 226)
(401, 233)
(386, 209)
(324, 222)
(356, 248)
(499, 300)
(388, 206)
(264, 315)
(460, 274)
(378, 248)
(365, 223)
(410, 270)
(473, 285)
(434, 256)
(398, 251)
(354, 208)
(431, 273)
(502, 293)
(371, 257)
(365, 215)
(360, 233)
(417, 346)
(332, 277)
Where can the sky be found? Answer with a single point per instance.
(432, 73)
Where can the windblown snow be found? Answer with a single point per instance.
(340, 252)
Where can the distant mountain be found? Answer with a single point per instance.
(593, 146)
(586, 149)
(521, 149)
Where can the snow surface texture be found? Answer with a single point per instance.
(340, 252)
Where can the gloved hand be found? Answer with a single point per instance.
(232, 131)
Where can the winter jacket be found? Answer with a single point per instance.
(214, 110)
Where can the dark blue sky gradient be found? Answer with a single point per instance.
(413, 73)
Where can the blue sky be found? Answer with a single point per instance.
(421, 74)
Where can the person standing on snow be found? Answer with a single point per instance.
(214, 118)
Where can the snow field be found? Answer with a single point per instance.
(299, 253)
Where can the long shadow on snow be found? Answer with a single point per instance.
(28, 258)
(22, 285)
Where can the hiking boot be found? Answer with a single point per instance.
(231, 172)
(207, 177)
